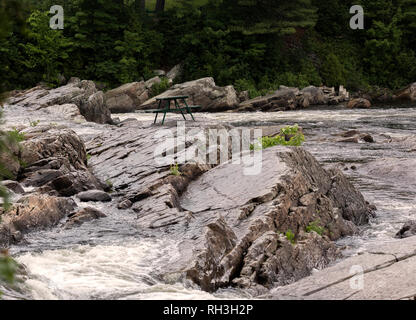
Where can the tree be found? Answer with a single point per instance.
(160, 5)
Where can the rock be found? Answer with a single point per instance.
(359, 103)
(203, 92)
(55, 159)
(33, 212)
(365, 276)
(83, 94)
(94, 195)
(174, 73)
(68, 111)
(95, 109)
(159, 73)
(408, 93)
(315, 95)
(226, 224)
(82, 216)
(149, 84)
(243, 96)
(408, 230)
(367, 138)
(125, 204)
(354, 136)
(281, 100)
(129, 96)
(14, 186)
(237, 220)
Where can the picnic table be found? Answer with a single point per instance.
(165, 107)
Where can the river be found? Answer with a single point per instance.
(111, 258)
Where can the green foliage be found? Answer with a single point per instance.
(161, 87)
(174, 170)
(289, 136)
(8, 268)
(16, 135)
(314, 226)
(257, 45)
(290, 236)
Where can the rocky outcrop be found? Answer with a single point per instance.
(281, 100)
(13, 186)
(55, 161)
(408, 230)
(408, 93)
(83, 94)
(292, 98)
(128, 97)
(203, 92)
(32, 212)
(355, 136)
(231, 229)
(359, 103)
(82, 216)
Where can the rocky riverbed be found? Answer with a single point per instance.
(95, 216)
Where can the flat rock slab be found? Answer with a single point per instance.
(388, 273)
(213, 192)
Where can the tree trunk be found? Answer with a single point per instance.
(160, 5)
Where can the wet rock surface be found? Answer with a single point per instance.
(369, 275)
(33, 212)
(82, 216)
(230, 227)
(408, 230)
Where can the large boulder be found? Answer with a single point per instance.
(408, 230)
(83, 94)
(408, 93)
(82, 216)
(240, 226)
(33, 212)
(203, 92)
(55, 160)
(315, 95)
(359, 103)
(281, 100)
(128, 97)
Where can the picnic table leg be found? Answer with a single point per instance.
(157, 113)
(189, 110)
(180, 109)
(164, 116)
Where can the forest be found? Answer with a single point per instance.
(255, 45)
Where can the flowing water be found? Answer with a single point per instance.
(111, 258)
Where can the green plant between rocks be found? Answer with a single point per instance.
(289, 136)
(290, 236)
(174, 170)
(314, 226)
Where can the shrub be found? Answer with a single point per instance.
(289, 136)
(290, 236)
(314, 226)
(174, 170)
(161, 87)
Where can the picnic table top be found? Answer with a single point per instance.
(173, 98)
